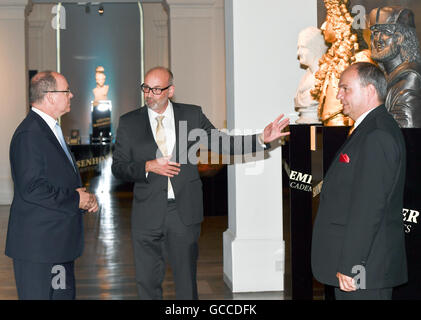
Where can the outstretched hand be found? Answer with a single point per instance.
(274, 129)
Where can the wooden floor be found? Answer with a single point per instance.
(106, 268)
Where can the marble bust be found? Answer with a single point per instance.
(311, 47)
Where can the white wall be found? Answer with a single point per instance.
(197, 55)
(13, 84)
(42, 48)
(262, 76)
(155, 20)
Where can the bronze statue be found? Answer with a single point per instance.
(395, 46)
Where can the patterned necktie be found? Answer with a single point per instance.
(63, 143)
(161, 141)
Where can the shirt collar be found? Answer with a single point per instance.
(47, 118)
(361, 118)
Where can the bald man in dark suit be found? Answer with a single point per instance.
(45, 233)
(167, 206)
(358, 241)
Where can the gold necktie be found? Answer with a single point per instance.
(351, 130)
(161, 141)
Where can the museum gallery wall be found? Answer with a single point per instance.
(109, 40)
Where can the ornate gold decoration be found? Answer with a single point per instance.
(340, 55)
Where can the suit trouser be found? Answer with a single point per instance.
(44, 281)
(367, 294)
(175, 242)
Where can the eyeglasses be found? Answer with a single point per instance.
(65, 91)
(155, 91)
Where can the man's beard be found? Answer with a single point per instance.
(385, 54)
(154, 105)
(151, 105)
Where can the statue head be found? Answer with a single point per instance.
(100, 76)
(311, 46)
(393, 34)
(328, 31)
(100, 79)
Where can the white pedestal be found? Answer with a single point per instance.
(308, 115)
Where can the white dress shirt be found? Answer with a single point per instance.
(361, 118)
(169, 126)
(51, 122)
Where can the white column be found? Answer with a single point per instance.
(156, 35)
(197, 55)
(42, 41)
(262, 74)
(13, 84)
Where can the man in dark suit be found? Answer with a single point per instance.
(358, 241)
(45, 233)
(155, 148)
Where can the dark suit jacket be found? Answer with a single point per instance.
(359, 221)
(135, 145)
(45, 223)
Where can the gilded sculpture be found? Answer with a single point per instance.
(345, 49)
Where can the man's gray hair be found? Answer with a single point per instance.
(41, 82)
(368, 73)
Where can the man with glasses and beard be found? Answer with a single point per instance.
(167, 212)
(395, 47)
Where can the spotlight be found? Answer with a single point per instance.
(101, 10)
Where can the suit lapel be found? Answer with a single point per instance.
(144, 117)
(354, 136)
(50, 135)
(145, 133)
(177, 116)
